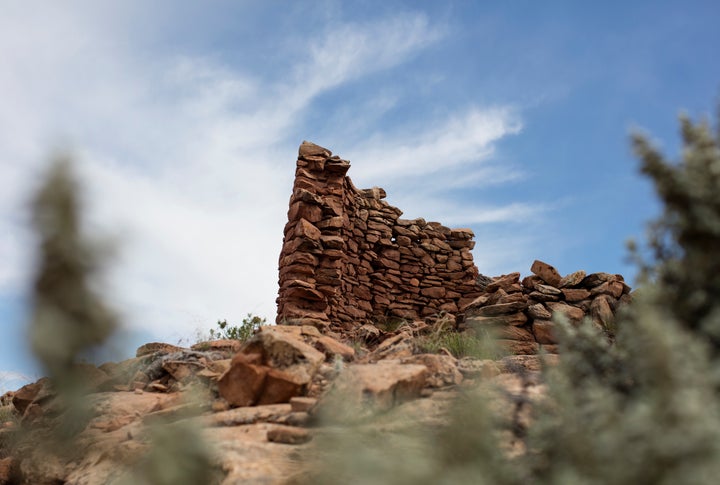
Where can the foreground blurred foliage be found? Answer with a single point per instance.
(70, 322)
(643, 409)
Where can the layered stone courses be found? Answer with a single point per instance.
(347, 255)
(520, 313)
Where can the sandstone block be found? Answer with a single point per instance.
(575, 294)
(548, 290)
(514, 319)
(543, 297)
(544, 331)
(503, 282)
(363, 389)
(331, 347)
(594, 279)
(612, 288)
(518, 347)
(24, 396)
(433, 292)
(309, 149)
(573, 279)
(285, 352)
(573, 313)
(279, 387)
(538, 311)
(548, 273)
(242, 383)
(498, 309)
(601, 311)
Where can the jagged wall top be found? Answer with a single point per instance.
(348, 256)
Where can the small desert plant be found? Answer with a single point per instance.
(240, 332)
(459, 344)
(389, 323)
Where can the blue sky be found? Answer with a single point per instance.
(511, 118)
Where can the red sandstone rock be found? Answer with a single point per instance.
(514, 319)
(518, 347)
(308, 149)
(242, 383)
(363, 389)
(498, 309)
(331, 347)
(548, 273)
(279, 387)
(601, 310)
(544, 331)
(592, 280)
(573, 313)
(503, 282)
(572, 279)
(613, 288)
(575, 294)
(539, 312)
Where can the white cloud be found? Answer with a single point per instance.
(12, 381)
(186, 161)
(349, 51)
(465, 139)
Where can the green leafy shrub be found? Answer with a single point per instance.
(243, 332)
(389, 324)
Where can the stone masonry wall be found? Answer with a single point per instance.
(348, 257)
(520, 313)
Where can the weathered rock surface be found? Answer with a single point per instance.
(364, 389)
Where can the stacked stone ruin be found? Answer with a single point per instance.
(348, 257)
(520, 313)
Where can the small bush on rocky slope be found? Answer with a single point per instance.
(240, 332)
(460, 344)
(644, 409)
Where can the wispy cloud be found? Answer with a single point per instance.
(12, 380)
(462, 139)
(188, 162)
(349, 51)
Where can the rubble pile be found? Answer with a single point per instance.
(520, 313)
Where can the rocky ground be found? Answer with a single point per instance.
(256, 407)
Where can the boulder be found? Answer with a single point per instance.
(281, 350)
(242, 384)
(442, 369)
(28, 393)
(364, 389)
